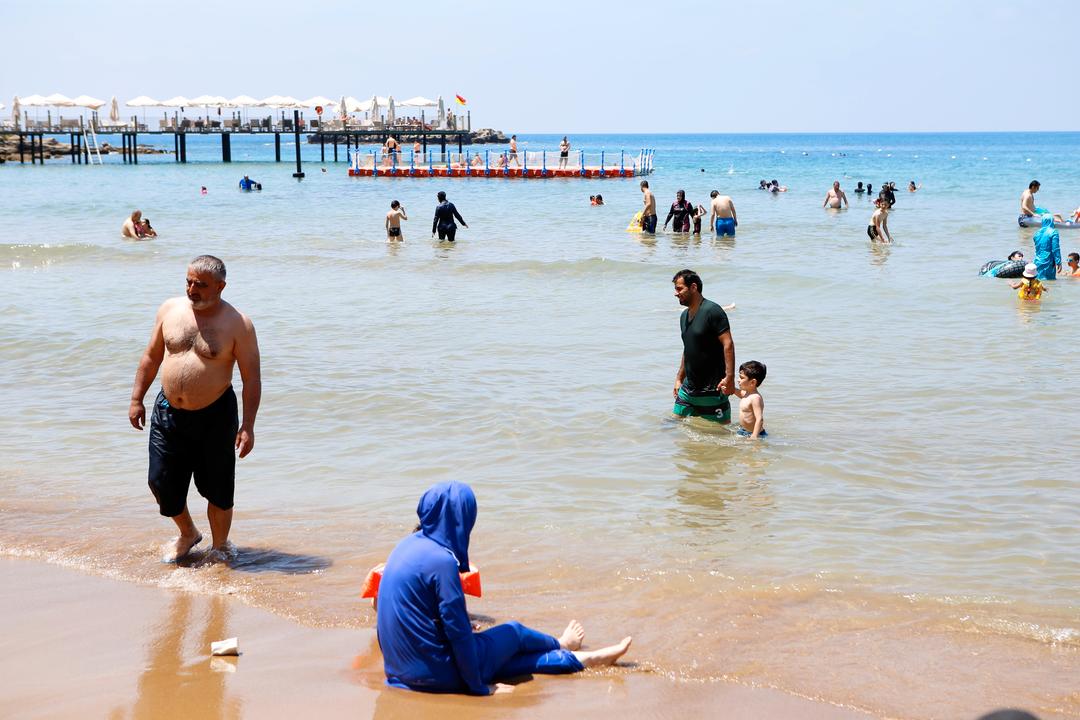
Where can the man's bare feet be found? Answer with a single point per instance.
(604, 656)
(572, 636)
(181, 547)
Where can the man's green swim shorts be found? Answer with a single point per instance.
(713, 405)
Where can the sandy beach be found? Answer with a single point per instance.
(127, 651)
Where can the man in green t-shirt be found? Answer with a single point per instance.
(707, 369)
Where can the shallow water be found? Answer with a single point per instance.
(914, 495)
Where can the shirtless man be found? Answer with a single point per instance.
(878, 229)
(130, 226)
(391, 145)
(393, 221)
(648, 212)
(193, 427)
(835, 196)
(1028, 208)
(513, 158)
(722, 214)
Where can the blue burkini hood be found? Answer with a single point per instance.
(424, 629)
(447, 513)
(1047, 249)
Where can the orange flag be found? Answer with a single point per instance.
(461, 100)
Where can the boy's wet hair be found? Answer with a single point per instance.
(1033, 184)
(753, 370)
(1074, 256)
(395, 204)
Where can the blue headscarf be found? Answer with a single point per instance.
(1047, 249)
(447, 513)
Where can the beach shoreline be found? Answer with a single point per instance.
(143, 652)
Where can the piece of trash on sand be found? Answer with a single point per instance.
(225, 647)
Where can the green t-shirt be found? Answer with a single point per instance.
(703, 354)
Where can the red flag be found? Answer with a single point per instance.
(460, 100)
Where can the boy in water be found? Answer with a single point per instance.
(1029, 287)
(393, 221)
(752, 405)
(1074, 266)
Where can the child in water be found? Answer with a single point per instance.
(752, 405)
(1029, 287)
(143, 229)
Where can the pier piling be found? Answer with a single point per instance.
(183, 147)
(226, 148)
(277, 147)
(299, 174)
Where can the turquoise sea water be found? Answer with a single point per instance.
(916, 500)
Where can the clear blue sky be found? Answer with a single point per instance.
(580, 67)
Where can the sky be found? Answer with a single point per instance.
(580, 67)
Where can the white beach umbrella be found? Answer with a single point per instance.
(35, 101)
(418, 102)
(209, 101)
(343, 107)
(390, 110)
(442, 113)
(114, 111)
(374, 108)
(281, 101)
(178, 102)
(143, 102)
(58, 100)
(16, 111)
(1, 106)
(88, 102)
(318, 100)
(243, 101)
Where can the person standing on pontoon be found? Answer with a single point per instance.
(564, 152)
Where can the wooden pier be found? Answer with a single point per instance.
(83, 140)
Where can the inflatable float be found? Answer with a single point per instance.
(635, 224)
(1034, 221)
(1003, 268)
(470, 582)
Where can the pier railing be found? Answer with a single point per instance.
(495, 162)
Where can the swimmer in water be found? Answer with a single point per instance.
(912, 187)
(752, 405)
(878, 229)
(681, 212)
(393, 221)
(859, 189)
(1074, 266)
(203, 190)
(145, 231)
(835, 197)
(1030, 287)
(131, 226)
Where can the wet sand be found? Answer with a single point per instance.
(76, 646)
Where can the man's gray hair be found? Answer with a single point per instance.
(208, 264)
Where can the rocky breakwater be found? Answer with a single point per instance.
(53, 148)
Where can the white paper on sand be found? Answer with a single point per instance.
(221, 665)
(225, 647)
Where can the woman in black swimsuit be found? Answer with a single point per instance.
(681, 211)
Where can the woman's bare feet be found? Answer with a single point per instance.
(181, 547)
(572, 636)
(604, 656)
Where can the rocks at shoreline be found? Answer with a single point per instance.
(53, 148)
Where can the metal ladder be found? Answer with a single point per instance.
(90, 140)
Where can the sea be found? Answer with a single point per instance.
(905, 539)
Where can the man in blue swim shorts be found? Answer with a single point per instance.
(706, 373)
(722, 216)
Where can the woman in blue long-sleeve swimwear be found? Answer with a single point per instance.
(427, 640)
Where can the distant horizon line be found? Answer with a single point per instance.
(807, 132)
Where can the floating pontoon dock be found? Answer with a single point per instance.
(485, 163)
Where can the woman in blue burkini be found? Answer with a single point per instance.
(1047, 249)
(427, 640)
